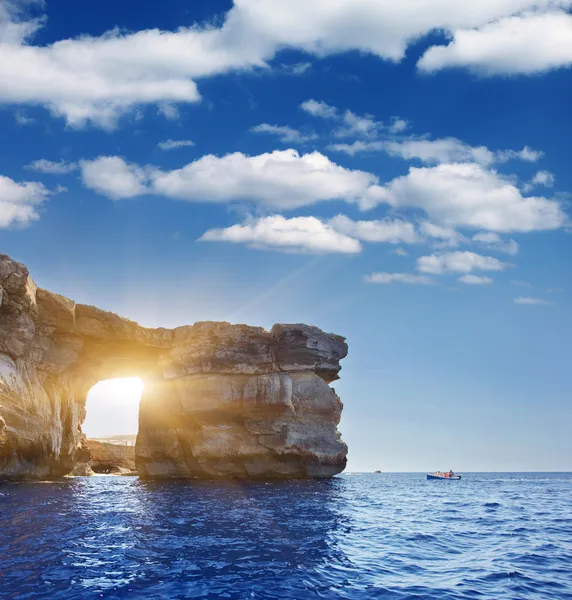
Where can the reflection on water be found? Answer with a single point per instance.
(356, 536)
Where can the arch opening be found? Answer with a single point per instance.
(111, 424)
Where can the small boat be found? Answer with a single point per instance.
(445, 476)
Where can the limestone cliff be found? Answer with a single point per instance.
(110, 458)
(220, 400)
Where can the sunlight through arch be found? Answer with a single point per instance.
(112, 408)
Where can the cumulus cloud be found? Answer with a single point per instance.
(55, 168)
(175, 144)
(284, 133)
(299, 234)
(458, 262)
(493, 241)
(398, 125)
(393, 231)
(19, 201)
(297, 68)
(439, 151)
(452, 195)
(97, 79)
(359, 126)
(531, 301)
(320, 109)
(280, 179)
(527, 154)
(475, 280)
(113, 177)
(387, 278)
(14, 26)
(467, 195)
(529, 43)
(401, 252)
(542, 178)
(349, 124)
(448, 236)
(358, 146)
(522, 283)
(22, 118)
(169, 111)
(443, 150)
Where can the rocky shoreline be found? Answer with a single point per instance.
(220, 400)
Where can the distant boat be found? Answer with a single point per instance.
(377, 471)
(439, 475)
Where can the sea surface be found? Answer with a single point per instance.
(394, 536)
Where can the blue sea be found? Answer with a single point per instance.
(394, 536)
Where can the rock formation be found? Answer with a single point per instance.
(111, 458)
(220, 400)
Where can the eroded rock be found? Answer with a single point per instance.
(220, 400)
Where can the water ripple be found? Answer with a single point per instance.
(393, 537)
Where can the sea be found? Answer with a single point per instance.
(390, 536)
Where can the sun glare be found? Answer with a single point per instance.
(113, 407)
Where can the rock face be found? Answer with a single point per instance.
(220, 400)
(110, 458)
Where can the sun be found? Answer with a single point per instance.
(112, 407)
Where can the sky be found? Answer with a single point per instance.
(397, 173)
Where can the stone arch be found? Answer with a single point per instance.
(220, 400)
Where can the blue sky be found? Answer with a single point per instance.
(396, 174)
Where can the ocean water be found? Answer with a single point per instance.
(394, 536)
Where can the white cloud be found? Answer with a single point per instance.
(285, 133)
(452, 195)
(527, 44)
(401, 252)
(307, 234)
(393, 231)
(475, 280)
(19, 201)
(527, 154)
(22, 118)
(348, 123)
(174, 144)
(319, 109)
(458, 262)
(448, 236)
(522, 283)
(493, 241)
(297, 68)
(169, 111)
(443, 150)
(14, 28)
(280, 179)
(54, 168)
(527, 300)
(387, 278)
(357, 147)
(542, 178)
(113, 177)
(467, 195)
(398, 125)
(354, 125)
(97, 79)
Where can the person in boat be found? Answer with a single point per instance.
(450, 473)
